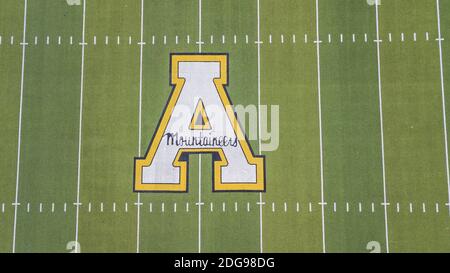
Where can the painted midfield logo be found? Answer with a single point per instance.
(199, 119)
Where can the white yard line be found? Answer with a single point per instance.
(380, 100)
(444, 114)
(200, 26)
(19, 138)
(83, 44)
(200, 156)
(320, 127)
(199, 203)
(138, 203)
(259, 121)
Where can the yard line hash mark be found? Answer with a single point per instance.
(343, 206)
(165, 39)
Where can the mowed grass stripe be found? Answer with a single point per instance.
(11, 16)
(110, 128)
(232, 231)
(289, 79)
(352, 149)
(49, 130)
(415, 153)
(167, 231)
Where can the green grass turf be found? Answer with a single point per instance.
(412, 107)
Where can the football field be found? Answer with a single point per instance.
(353, 113)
